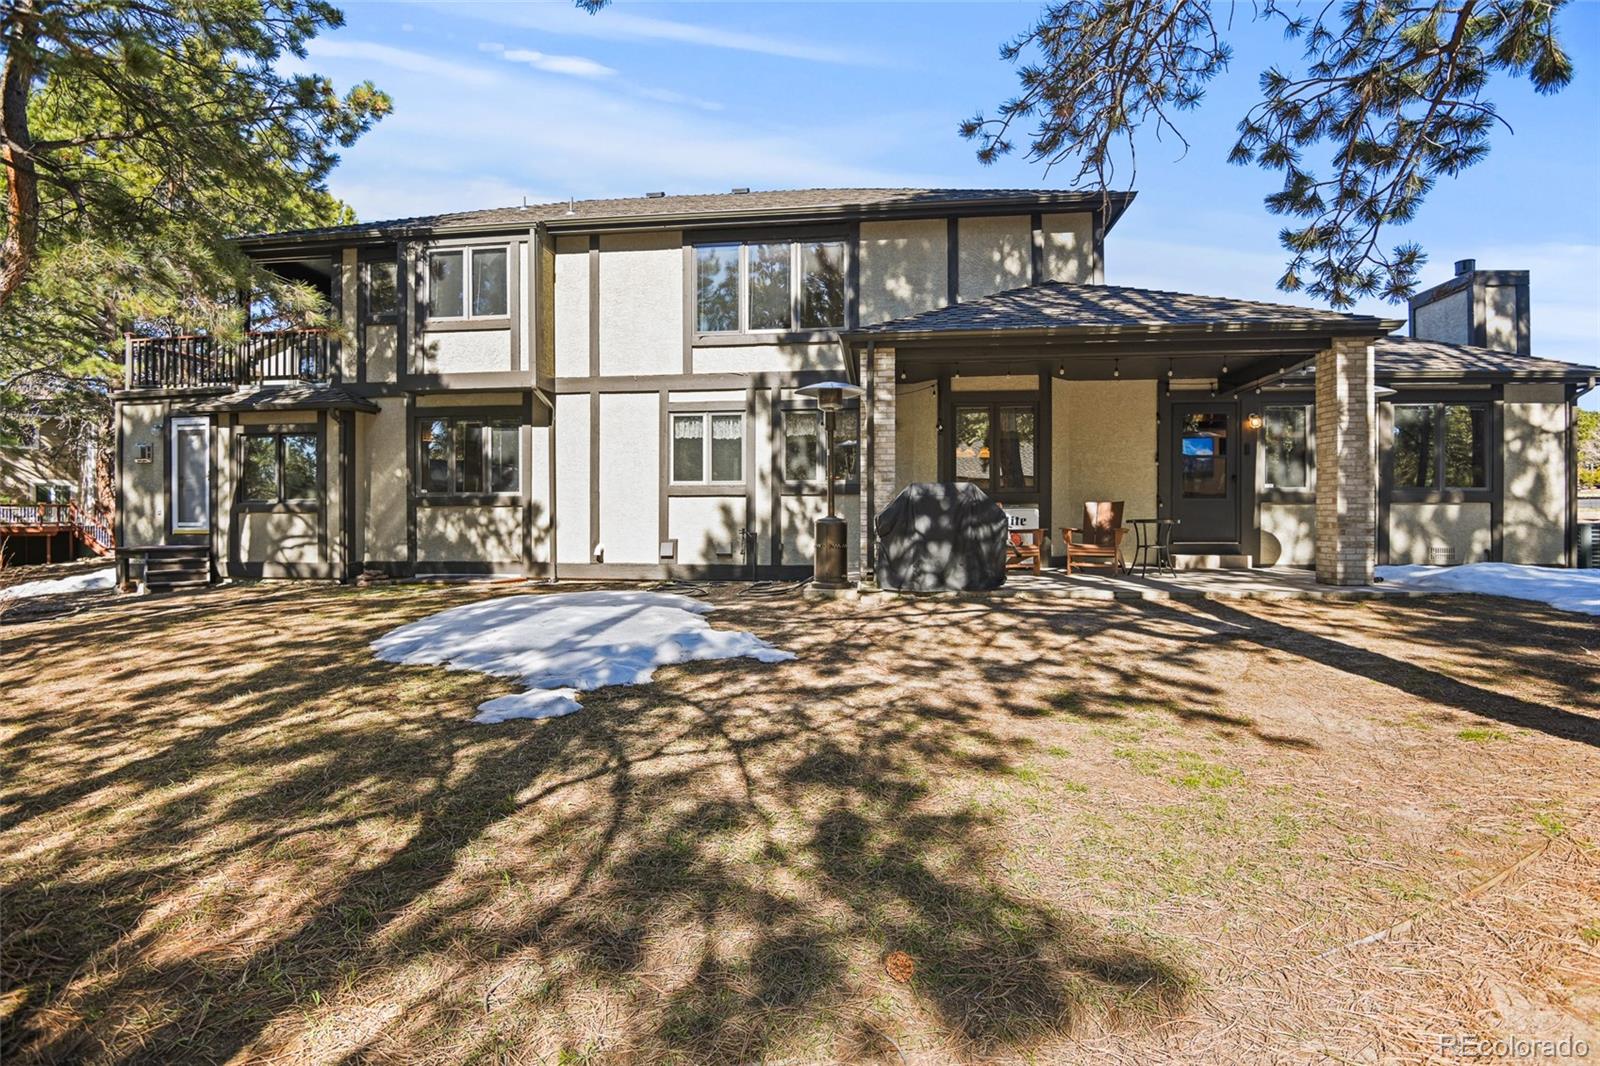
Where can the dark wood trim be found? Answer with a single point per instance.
(216, 531)
(1385, 420)
(730, 382)
(282, 571)
(514, 305)
(525, 476)
(868, 453)
(688, 408)
(118, 520)
(944, 428)
(852, 277)
(1572, 476)
(1097, 246)
(725, 489)
(322, 485)
(335, 351)
(278, 507)
(471, 499)
(594, 305)
(1044, 470)
(486, 381)
(455, 568)
(952, 260)
(1036, 248)
(347, 440)
(690, 289)
(748, 542)
(761, 338)
(1495, 447)
(488, 323)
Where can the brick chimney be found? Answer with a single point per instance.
(1485, 308)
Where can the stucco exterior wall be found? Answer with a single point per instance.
(486, 535)
(1107, 436)
(382, 359)
(1446, 319)
(50, 461)
(267, 537)
(1418, 530)
(381, 466)
(572, 307)
(1534, 505)
(541, 513)
(994, 383)
(994, 254)
(434, 400)
(1500, 317)
(767, 358)
(641, 303)
(1288, 534)
(572, 479)
(348, 279)
(1069, 247)
(707, 529)
(904, 268)
(144, 485)
(480, 351)
(630, 477)
(799, 514)
(916, 434)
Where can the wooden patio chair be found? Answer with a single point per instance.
(1099, 541)
(1025, 550)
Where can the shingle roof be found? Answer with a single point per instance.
(295, 397)
(755, 203)
(1067, 306)
(1406, 356)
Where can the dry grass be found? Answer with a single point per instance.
(1099, 831)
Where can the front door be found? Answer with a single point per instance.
(191, 475)
(1205, 473)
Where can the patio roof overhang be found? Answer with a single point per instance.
(1090, 332)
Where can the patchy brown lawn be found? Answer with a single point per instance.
(1098, 831)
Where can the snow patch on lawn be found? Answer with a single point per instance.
(561, 644)
(1565, 590)
(92, 581)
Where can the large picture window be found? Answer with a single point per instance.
(804, 443)
(467, 283)
(278, 468)
(769, 286)
(1438, 446)
(996, 447)
(708, 448)
(468, 456)
(1286, 444)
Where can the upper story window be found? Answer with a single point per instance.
(1440, 446)
(769, 286)
(1286, 443)
(467, 283)
(382, 278)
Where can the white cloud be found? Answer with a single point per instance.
(400, 58)
(672, 96)
(573, 66)
(612, 24)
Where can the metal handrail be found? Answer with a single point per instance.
(195, 361)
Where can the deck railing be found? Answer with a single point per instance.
(37, 514)
(197, 361)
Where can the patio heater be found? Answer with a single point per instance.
(828, 562)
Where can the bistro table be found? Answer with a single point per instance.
(1152, 542)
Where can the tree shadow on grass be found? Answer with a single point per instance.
(263, 834)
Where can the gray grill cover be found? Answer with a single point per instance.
(943, 537)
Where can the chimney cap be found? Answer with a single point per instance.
(1465, 266)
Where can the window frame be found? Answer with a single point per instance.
(281, 503)
(369, 316)
(816, 485)
(705, 412)
(487, 416)
(1270, 493)
(742, 333)
(993, 402)
(466, 251)
(1437, 491)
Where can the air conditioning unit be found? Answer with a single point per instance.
(1442, 555)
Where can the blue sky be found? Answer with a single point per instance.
(498, 101)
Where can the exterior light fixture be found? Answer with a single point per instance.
(1116, 368)
(1252, 421)
(828, 562)
(1169, 368)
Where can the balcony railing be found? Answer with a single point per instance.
(196, 362)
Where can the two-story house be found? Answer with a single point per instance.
(607, 388)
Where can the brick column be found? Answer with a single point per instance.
(882, 385)
(1347, 467)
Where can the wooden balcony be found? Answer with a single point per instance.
(51, 520)
(192, 362)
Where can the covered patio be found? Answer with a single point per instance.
(1056, 395)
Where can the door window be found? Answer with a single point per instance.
(1204, 455)
(191, 474)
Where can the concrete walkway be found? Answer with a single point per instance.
(1260, 584)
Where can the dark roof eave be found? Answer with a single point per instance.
(266, 242)
(1376, 328)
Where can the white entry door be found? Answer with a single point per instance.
(191, 474)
